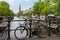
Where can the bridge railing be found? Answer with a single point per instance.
(8, 30)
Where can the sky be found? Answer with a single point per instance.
(25, 4)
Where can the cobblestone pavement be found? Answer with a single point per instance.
(47, 38)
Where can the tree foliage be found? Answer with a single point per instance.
(46, 7)
(5, 9)
(5, 4)
(19, 13)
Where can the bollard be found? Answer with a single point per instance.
(9, 29)
(30, 27)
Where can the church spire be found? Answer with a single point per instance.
(19, 7)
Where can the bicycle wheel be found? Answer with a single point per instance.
(58, 32)
(42, 31)
(21, 32)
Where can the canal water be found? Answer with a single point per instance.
(14, 25)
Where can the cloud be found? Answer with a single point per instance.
(0, 0)
(9, 1)
(14, 4)
(26, 0)
(27, 8)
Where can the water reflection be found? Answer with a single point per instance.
(15, 24)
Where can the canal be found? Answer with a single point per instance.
(14, 25)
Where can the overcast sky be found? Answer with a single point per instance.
(25, 4)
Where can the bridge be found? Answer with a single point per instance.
(49, 35)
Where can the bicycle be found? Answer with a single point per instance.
(23, 32)
(21, 29)
(40, 30)
(53, 25)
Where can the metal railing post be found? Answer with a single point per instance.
(9, 28)
(49, 28)
(58, 26)
(30, 28)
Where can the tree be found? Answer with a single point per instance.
(46, 7)
(35, 8)
(19, 13)
(5, 4)
(5, 9)
(58, 8)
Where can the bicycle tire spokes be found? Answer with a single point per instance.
(22, 32)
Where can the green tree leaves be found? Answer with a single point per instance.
(5, 9)
(5, 4)
(19, 13)
(46, 7)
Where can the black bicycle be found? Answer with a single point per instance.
(21, 32)
(39, 30)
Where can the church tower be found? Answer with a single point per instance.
(19, 8)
